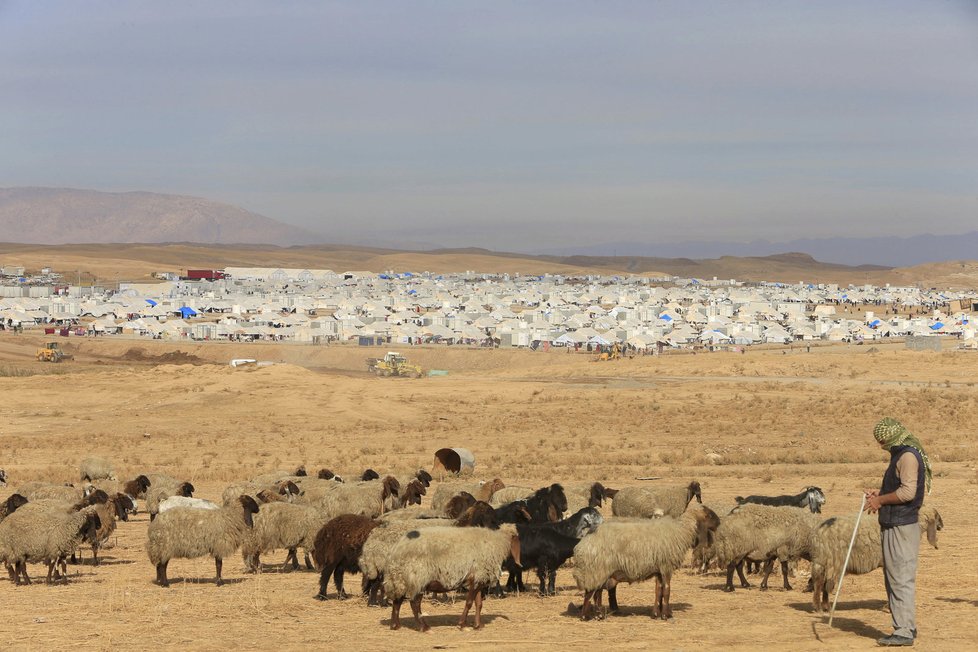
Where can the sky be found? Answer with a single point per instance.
(518, 126)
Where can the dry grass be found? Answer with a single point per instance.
(741, 424)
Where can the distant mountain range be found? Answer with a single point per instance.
(63, 216)
(67, 216)
(886, 251)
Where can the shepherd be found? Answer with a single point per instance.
(898, 502)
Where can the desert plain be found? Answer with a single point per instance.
(769, 421)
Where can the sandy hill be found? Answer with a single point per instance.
(62, 215)
(135, 262)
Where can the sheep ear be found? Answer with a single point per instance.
(932, 532)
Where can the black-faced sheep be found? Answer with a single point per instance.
(117, 508)
(633, 550)
(365, 498)
(590, 494)
(339, 544)
(369, 474)
(185, 533)
(445, 559)
(137, 487)
(3, 478)
(36, 533)
(651, 502)
(830, 542)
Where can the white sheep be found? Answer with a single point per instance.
(185, 533)
(634, 550)
(651, 502)
(830, 541)
(445, 559)
(183, 501)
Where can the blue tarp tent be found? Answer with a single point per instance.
(665, 317)
(875, 323)
(937, 326)
(187, 312)
(151, 302)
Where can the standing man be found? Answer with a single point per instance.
(898, 502)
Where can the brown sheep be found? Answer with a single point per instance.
(337, 549)
(459, 503)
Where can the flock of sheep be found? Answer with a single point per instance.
(460, 541)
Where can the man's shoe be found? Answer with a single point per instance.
(895, 641)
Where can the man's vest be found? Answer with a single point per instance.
(903, 513)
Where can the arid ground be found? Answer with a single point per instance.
(761, 422)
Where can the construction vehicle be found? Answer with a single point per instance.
(613, 354)
(393, 364)
(51, 352)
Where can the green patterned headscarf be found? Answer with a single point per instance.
(889, 433)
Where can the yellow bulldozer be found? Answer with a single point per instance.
(393, 364)
(613, 354)
(51, 352)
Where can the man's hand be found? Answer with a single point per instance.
(873, 503)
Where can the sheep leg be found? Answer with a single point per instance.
(729, 587)
(396, 613)
(740, 573)
(478, 610)
(666, 591)
(338, 581)
(51, 564)
(293, 555)
(597, 603)
(161, 578)
(416, 610)
(469, 599)
(218, 563)
(587, 609)
(768, 567)
(784, 573)
(324, 581)
(14, 579)
(309, 565)
(95, 560)
(22, 566)
(657, 602)
(612, 587)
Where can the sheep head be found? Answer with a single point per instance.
(391, 488)
(370, 474)
(89, 528)
(325, 474)
(249, 507)
(481, 514)
(301, 471)
(3, 478)
(186, 490)
(123, 505)
(694, 492)
(13, 502)
(558, 498)
(458, 504)
(421, 475)
(707, 523)
(413, 493)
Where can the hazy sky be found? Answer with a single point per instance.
(508, 125)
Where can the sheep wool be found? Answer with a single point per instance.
(188, 533)
(96, 468)
(183, 501)
(36, 532)
(830, 541)
(447, 558)
(281, 526)
(633, 550)
(483, 491)
(651, 502)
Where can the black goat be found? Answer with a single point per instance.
(810, 497)
(546, 546)
(547, 505)
(482, 514)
